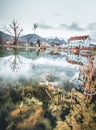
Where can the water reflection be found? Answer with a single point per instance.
(76, 59)
(15, 60)
(60, 66)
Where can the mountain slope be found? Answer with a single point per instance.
(31, 38)
(55, 40)
(35, 37)
(4, 35)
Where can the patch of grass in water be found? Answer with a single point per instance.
(94, 53)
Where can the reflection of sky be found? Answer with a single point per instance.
(37, 69)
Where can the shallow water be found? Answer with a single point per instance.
(36, 91)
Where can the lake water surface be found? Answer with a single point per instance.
(25, 66)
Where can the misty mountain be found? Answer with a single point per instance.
(55, 40)
(31, 38)
(35, 37)
(4, 36)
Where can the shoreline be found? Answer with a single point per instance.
(56, 47)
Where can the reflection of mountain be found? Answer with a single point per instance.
(27, 64)
(4, 52)
(52, 56)
(16, 65)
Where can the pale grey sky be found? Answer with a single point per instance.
(54, 17)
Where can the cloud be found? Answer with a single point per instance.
(43, 25)
(64, 26)
(91, 26)
(57, 15)
(75, 26)
(72, 27)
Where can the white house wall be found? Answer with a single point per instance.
(79, 43)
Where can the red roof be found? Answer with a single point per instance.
(78, 38)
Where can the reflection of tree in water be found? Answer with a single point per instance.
(15, 60)
(38, 52)
(33, 54)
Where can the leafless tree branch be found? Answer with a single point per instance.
(14, 30)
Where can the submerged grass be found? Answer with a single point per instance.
(38, 106)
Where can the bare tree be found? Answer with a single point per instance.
(35, 25)
(14, 30)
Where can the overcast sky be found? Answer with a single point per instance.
(61, 18)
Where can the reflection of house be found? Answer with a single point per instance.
(76, 59)
(10, 42)
(43, 45)
(79, 41)
(73, 62)
(19, 42)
